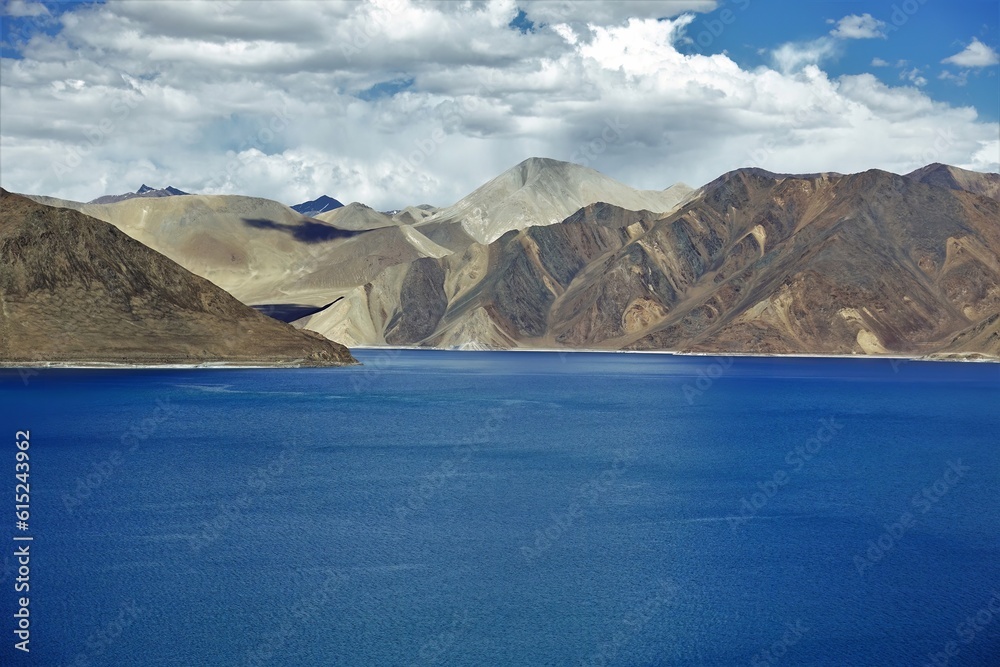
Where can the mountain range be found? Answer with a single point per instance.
(555, 255)
(75, 289)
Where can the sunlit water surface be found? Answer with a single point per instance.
(512, 509)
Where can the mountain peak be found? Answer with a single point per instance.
(956, 178)
(543, 191)
(143, 191)
(534, 167)
(321, 204)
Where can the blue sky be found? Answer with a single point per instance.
(921, 39)
(397, 102)
(14, 30)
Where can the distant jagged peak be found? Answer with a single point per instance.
(143, 191)
(321, 204)
(169, 191)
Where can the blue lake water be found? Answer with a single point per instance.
(457, 508)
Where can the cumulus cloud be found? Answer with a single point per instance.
(878, 62)
(796, 55)
(960, 79)
(21, 8)
(398, 102)
(976, 54)
(913, 76)
(864, 26)
(609, 13)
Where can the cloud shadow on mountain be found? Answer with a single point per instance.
(307, 231)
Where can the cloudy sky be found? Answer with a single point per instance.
(396, 102)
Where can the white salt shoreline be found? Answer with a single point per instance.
(374, 348)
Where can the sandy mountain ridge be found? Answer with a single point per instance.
(265, 253)
(76, 289)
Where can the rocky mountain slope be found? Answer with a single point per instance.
(551, 254)
(953, 178)
(540, 191)
(76, 289)
(755, 262)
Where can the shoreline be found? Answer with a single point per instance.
(228, 365)
(960, 356)
(214, 365)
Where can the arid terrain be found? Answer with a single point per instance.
(754, 262)
(555, 255)
(75, 289)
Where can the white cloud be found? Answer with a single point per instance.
(796, 55)
(976, 54)
(21, 8)
(960, 79)
(269, 99)
(913, 76)
(878, 62)
(609, 13)
(987, 158)
(864, 26)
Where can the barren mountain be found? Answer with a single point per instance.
(261, 251)
(557, 255)
(356, 217)
(414, 214)
(953, 178)
(540, 191)
(76, 289)
(756, 262)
